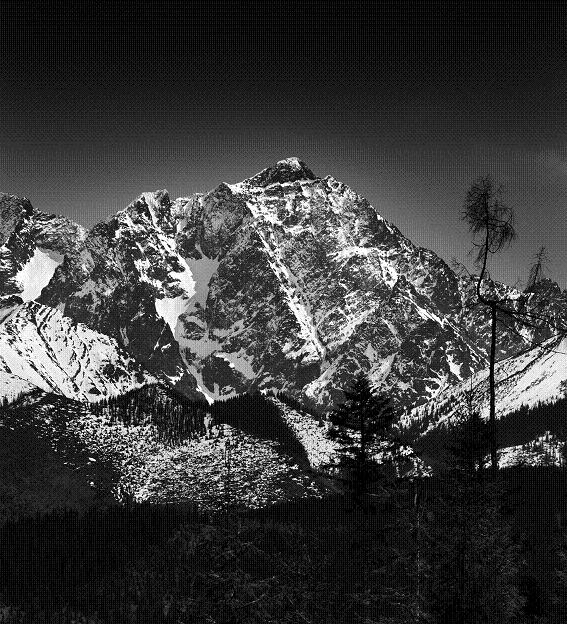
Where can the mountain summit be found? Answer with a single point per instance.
(287, 170)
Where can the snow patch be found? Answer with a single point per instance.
(170, 309)
(380, 367)
(194, 281)
(202, 348)
(453, 366)
(202, 271)
(37, 272)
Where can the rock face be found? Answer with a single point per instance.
(128, 281)
(32, 245)
(284, 280)
(41, 348)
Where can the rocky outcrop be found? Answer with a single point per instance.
(32, 245)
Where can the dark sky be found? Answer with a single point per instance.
(405, 104)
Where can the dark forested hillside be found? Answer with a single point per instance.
(175, 416)
(519, 427)
(440, 551)
(256, 415)
(528, 423)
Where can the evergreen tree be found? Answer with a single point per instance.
(370, 417)
(469, 442)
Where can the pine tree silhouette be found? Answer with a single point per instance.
(369, 415)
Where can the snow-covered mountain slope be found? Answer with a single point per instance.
(32, 245)
(286, 281)
(536, 375)
(12, 387)
(42, 348)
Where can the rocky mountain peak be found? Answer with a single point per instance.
(32, 245)
(151, 207)
(287, 170)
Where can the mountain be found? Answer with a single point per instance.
(535, 315)
(285, 281)
(42, 348)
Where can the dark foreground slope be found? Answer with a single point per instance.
(319, 561)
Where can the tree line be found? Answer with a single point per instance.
(175, 417)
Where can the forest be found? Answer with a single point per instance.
(458, 546)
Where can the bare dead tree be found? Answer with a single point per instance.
(491, 223)
(537, 270)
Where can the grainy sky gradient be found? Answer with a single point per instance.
(405, 104)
